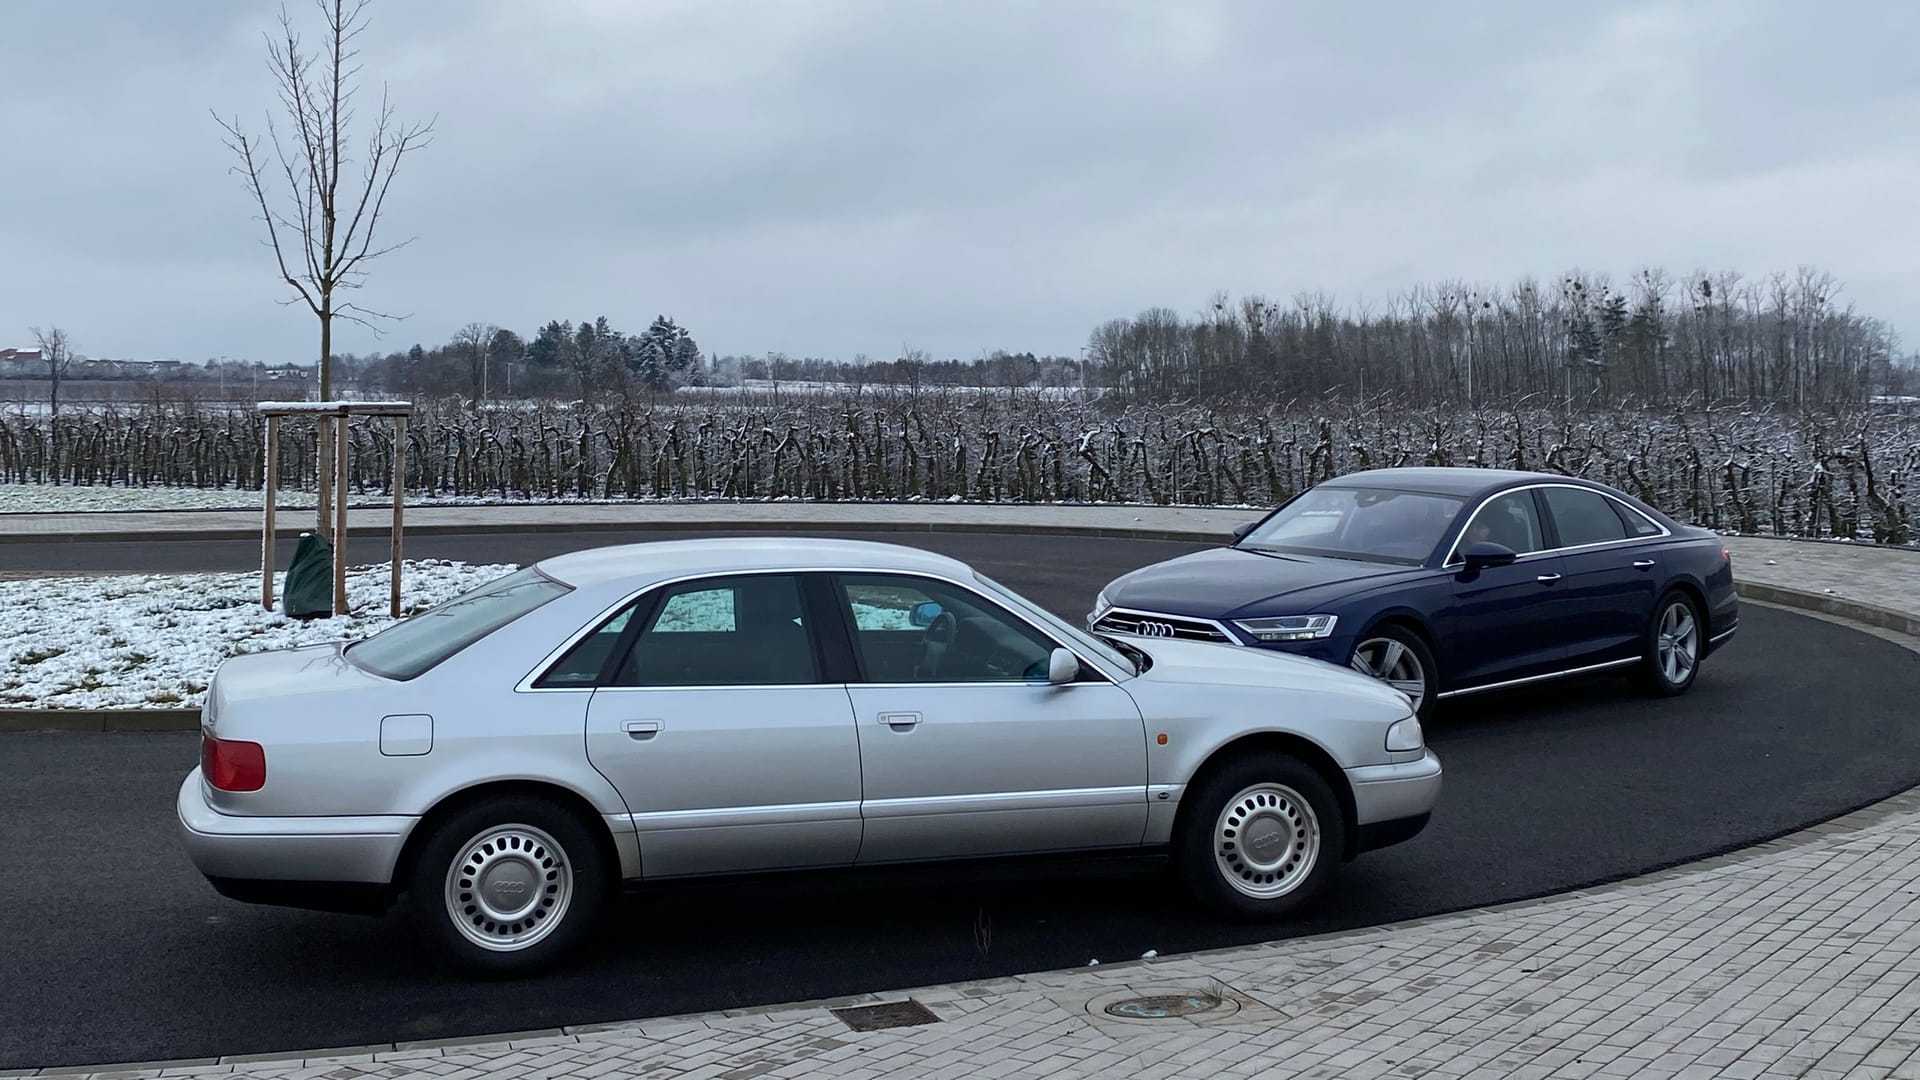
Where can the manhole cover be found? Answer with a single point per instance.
(1164, 1006)
(892, 1014)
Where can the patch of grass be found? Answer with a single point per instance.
(135, 659)
(40, 656)
(165, 697)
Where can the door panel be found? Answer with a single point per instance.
(965, 748)
(1607, 591)
(956, 770)
(1502, 623)
(732, 778)
(729, 750)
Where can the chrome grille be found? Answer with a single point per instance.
(1152, 625)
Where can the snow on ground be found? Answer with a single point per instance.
(152, 641)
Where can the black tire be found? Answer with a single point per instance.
(1367, 651)
(1208, 871)
(1655, 673)
(525, 863)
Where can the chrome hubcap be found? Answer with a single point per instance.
(1677, 643)
(509, 888)
(1267, 841)
(1394, 664)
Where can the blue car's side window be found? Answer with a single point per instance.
(1510, 521)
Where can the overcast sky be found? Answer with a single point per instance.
(830, 178)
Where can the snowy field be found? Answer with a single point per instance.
(152, 641)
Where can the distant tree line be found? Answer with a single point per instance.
(1785, 340)
(591, 361)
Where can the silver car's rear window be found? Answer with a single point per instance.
(413, 647)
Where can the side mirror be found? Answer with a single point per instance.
(1241, 530)
(1062, 667)
(922, 615)
(1485, 555)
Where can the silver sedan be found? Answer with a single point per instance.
(503, 763)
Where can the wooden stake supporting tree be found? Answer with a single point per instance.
(333, 476)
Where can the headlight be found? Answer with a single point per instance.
(1288, 627)
(1406, 735)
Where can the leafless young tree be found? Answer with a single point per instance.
(322, 227)
(56, 351)
(475, 342)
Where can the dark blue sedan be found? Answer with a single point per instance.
(1445, 582)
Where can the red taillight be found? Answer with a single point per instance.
(232, 765)
(1725, 555)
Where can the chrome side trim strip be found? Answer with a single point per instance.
(1165, 792)
(992, 801)
(722, 817)
(1723, 635)
(1541, 678)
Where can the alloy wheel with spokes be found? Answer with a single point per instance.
(1677, 642)
(1399, 661)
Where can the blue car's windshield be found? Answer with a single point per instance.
(1374, 524)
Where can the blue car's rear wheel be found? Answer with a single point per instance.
(1673, 646)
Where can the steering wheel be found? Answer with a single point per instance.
(939, 634)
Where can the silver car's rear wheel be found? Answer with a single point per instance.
(509, 888)
(1266, 841)
(508, 885)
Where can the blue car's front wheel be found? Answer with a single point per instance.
(1398, 657)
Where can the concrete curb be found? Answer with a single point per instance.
(20, 720)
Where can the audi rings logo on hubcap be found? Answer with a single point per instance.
(510, 888)
(1155, 629)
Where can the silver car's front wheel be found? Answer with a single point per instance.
(509, 889)
(1259, 835)
(1266, 841)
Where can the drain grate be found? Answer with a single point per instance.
(892, 1014)
(1164, 1006)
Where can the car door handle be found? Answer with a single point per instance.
(1547, 579)
(1642, 564)
(641, 730)
(900, 721)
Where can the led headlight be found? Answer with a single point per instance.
(1288, 627)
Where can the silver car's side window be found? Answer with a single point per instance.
(1508, 520)
(749, 630)
(909, 629)
(582, 665)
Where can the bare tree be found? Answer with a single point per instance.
(475, 343)
(322, 233)
(56, 351)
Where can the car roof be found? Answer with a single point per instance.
(663, 559)
(1463, 482)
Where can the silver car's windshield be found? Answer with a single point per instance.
(1060, 626)
(409, 648)
(1374, 524)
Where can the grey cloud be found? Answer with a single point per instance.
(834, 178)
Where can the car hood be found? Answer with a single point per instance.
(1224, 582)
(284, 673)
(1199, 662)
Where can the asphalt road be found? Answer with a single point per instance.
(113, 949)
